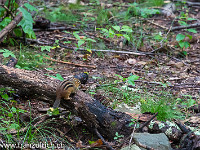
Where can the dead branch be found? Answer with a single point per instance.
(186, 27)
(111, 51)
(10, 26)
(70, 63)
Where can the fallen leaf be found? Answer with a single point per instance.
(131, 61)
(97, 143)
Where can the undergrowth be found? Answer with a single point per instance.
(19, 133)
(149, 101)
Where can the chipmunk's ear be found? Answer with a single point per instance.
(83, 77)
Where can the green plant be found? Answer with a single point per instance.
(103, 16)
(58, 76)
(9, 116)
(48, 48)
(136, 10)
(181, 37)
(82, 40)
(27, 132)
(187, 101)
(130, 80)
(61, 13)
(117, 136)
(30, 59)
(26, 23)
(133, 121)
(162, 104)
(7, 53)
(122, 31)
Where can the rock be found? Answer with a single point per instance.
(156, 141)
(132, 147)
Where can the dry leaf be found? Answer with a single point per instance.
(97, 143)
(131, 61)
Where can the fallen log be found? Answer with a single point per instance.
(95, 115)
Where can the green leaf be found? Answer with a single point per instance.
(49, 68)
(183, 23)
(91, 142)
(76, 35)
(111, 33)
(58, 76)
(105, 30)
(191, 102)
(80, 42)
(190, 36)
(132, 78)
(18, 32)
(191, 19)
(158, 37)
(119, 35)
(10, 115)
(184, 44)
(3, 129)
(30, 7)
(14, 110)
(67, 32)
(7, 53)
(184, 53)
(14, 126)
(89, 39)
(180, 37)
(119, 76)
(26, 14)
(67, 42)
(116, 27)
(48, 48)
(181, 44)
(192, 30)
(27, 23)
(5, 22)
(126, 37)
(126, 29)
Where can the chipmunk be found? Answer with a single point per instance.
(65, 89)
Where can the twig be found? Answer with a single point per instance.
(147, 122)
(144, 146)
(56, 28)
(189, 3)
(70, 63)
(4, 6)
(157, 24)
(161, 42)
(99, 135)
(111, 51)
(129, 146)
(186, 27)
